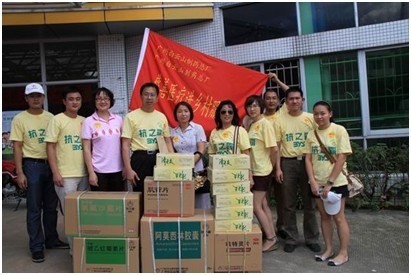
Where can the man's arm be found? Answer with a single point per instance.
(92, 177)
(131, 175)
(169, 144)
(18, 161)
(275, 78)
(52, 159)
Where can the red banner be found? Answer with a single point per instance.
(184, 74)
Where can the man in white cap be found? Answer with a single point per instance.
(28, 132)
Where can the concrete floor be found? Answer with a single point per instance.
(379, 244)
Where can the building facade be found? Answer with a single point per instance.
(354, 55)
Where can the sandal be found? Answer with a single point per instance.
(274, 246)
(322, 258)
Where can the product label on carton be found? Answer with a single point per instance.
(216, 176)
(173, 174)
(231, 188)
(106, 251)
(234, 200)
(167, 245)
(233, 225)
(230, 213)
(233, 161)
(96, 212)
(175, 160)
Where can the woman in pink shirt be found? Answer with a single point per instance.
(101, 137)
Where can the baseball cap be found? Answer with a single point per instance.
(332, 203)
(34, 88)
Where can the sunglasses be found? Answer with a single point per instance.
(226, 112)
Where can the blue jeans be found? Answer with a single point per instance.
(41, 205)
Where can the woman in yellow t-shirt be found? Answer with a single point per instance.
(263, 155)
(328, 184)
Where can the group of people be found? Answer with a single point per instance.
(56, 155)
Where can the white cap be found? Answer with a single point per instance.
(332, 203)
(34, 88)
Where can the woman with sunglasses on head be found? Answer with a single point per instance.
(328, 184)
(189, 138)
(263, 156)
(101, 137)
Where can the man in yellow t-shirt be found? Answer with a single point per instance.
(140, 131)
(291, 131)
(65, 150)
(28, 131)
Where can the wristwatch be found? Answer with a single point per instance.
(331, 183)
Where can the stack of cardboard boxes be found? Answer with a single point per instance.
(105, 227)
(237, 241)
(175, 238)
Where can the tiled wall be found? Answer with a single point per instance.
(112, 69)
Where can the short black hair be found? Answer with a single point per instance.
(293, 90)
(70, 89)
(106, 91)
(183, 103)
(270, 90)
(149, 85)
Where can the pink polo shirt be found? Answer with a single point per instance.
(105, 139)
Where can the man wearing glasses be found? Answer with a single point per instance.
(140, 131)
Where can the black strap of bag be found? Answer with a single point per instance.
(235, 141)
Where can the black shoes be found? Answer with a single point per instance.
(59, 245)
(37, 257)
(289, 247)
(314, 247)
(282, 234)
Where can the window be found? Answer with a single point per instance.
(332, 16)
(73, 60)
(388, 88)
(374, 13)
(259, 21)
(21, 63)
(340, 87)
(287, 71)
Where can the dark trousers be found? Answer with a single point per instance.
(42, 203)
(143, 164)
(277, 190)
(295, 176)
(109, 182)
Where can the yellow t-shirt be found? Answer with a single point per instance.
(66, 133)
(292, 132)
(262, 138)
(335, 138)
(143, 129)
(31, 130)
(222, 141)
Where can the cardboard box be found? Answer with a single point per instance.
(106, 255)
(222, 176)
(230, 188)
(168, 198)
(229, 162)
(108, 214)
(173, 173)
(175, 160)
(164, 251)
(238, 252)
(236, 200)
(240, 225)
(233, 213)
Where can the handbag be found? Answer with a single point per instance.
(201, 182)
(355, 185)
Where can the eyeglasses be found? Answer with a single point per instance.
(226, 112)
(101, 99)
(253, 106)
